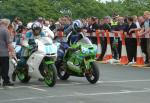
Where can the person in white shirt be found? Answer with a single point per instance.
(135, 19)
(45, 29)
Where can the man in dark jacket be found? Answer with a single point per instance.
(106, 26)
(131, 43)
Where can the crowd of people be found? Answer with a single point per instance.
(15, 31)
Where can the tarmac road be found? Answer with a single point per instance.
(117, 84)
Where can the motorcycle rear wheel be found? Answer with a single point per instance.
(61, 72)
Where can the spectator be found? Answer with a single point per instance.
(12, 32)
(16, 23)
(106, 26)
(131, 43)
(52, 25)
(121, 24)
(94, 24)
(45, 29)
(141, 21)
(120, 27)
(146, 30)
(46, 23)
(114, 22)
(5, 48)
(101, 23)
(135, 19)
(143, 40)
(93, 27)
(66, 22)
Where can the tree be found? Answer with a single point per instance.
(26, 9)
(30, 10)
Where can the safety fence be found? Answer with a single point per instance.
(103, 33)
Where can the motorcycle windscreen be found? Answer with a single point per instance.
(85, 40)
(46, 46)
(50, 49)
(46, 40)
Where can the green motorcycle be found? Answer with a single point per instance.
(78, 60)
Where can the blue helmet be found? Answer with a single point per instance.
(77, 25)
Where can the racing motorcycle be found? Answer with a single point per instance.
(77, 60)
(40, 63)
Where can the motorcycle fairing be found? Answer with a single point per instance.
(35, 60)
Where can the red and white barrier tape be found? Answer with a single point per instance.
(103, 34)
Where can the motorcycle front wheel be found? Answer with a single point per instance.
(93, 74)
(49, 74)
(22, 74)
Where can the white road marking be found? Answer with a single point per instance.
(124, 81)
(78, 83)
(13, 87)
(100, 82)
(125, 90)
(17, 87)
(73, 83)
(77, 95)
(39, 89)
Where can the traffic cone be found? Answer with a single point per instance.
(124, 58)
(108, 54)
(139, 56)
(98, 44)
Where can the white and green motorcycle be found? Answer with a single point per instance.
(39, 63)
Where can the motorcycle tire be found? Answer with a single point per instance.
(93, 76)
(49, 74)
(62, 74)
(22, 74)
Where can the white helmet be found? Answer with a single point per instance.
(36, 26)
(29, 25)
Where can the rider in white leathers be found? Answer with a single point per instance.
(35, 33)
